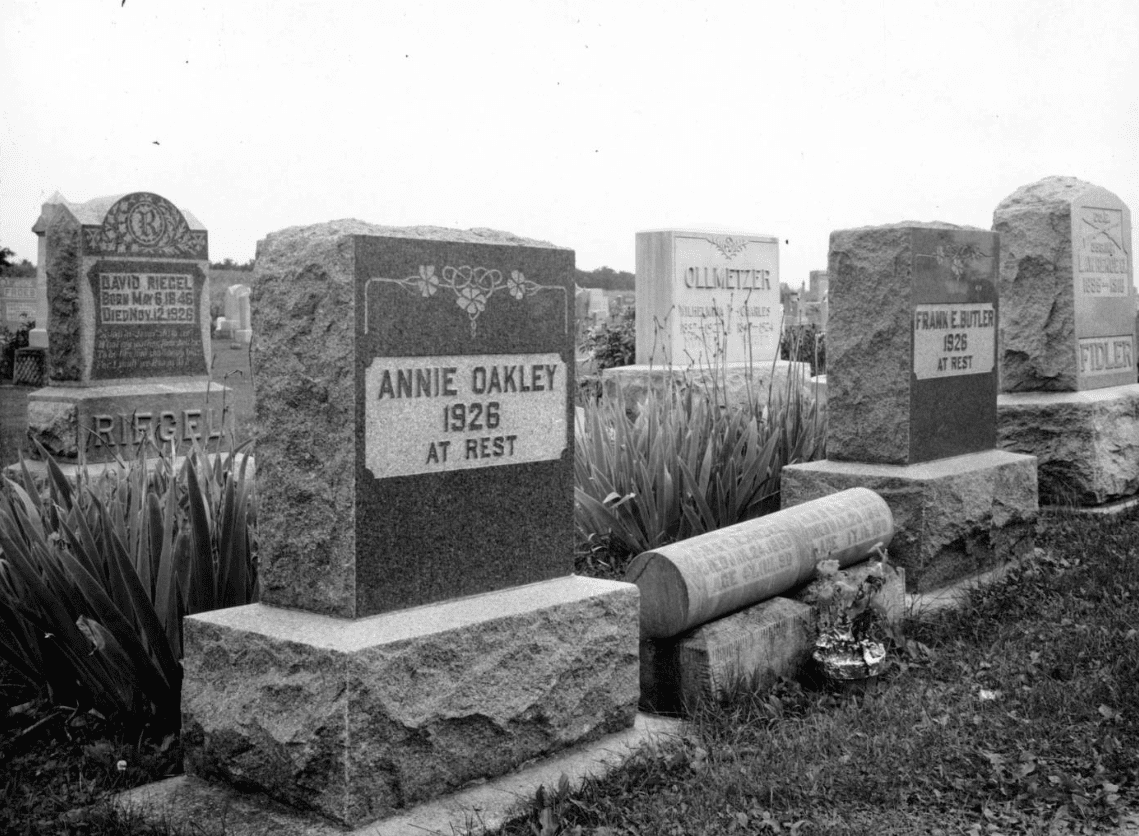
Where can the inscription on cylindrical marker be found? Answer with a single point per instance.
(697, 580)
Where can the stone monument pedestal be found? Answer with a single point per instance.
(1087, 442)
(734, 380)
(953, 516)
(109, 420)
(361, 718)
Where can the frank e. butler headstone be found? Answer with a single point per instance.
(912, 386)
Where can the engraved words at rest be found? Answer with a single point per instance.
(433, 414)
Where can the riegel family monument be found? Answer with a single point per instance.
(128, 328)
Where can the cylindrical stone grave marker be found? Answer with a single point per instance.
(697, 580)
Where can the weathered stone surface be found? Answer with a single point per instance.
(110, 421)
(352, 526)
(706, 298)
(1065, 285)
(191, 804)
(733, 383)
(953, 517)
(1086, 443)
(694, 581)
(359, 718)
(891, 397)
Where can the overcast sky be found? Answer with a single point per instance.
(576, 122)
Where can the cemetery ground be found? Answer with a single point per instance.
(1018, 713)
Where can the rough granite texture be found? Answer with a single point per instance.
(1039, 325)
(63, 287)
(358, 719)
(336, 539)
(877, 412)
(305, 385)
(952, 517)
(1086, 443)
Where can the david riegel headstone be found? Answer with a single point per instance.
(415, 479)
(1067, 361)
(912, 386)
(128, 329)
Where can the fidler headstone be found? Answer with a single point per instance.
(911, 395)
(1067, 356)
(419, 626)
(128, 329)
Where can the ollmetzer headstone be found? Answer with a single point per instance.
(1067, 359)
(419, 627)
(912, 390)
(128, 329)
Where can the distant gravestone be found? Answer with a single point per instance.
(1066, 282)
(911, 397)
(706, 298)
(1067, 361)
(128, 328)
(415, 473)
(17, 300)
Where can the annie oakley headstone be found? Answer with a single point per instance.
(128, 329)
(1067, 361)
(419, 625)
(912, 390)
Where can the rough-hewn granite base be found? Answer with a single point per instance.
(757, 645)
(734, 382)
(357, 719)
(108, 420)
(952, 517)
(1087, 443)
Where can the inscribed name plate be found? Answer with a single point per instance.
(437, 414)
(1106, 355)
(954, 339)
(1101, 257)
(727, 299)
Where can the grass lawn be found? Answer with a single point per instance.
(1017, 714)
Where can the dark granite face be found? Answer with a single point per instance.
(953, 399)
(147, 319)
(464, 424)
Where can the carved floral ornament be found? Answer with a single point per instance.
(145, 224)
(473, 287)
(729, 246)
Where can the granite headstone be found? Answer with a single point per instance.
(438, 373)
(912, 340)
(128, 328)
(419, 626)
(706, 298)
(1065, 279)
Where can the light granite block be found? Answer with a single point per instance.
(358, 719)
